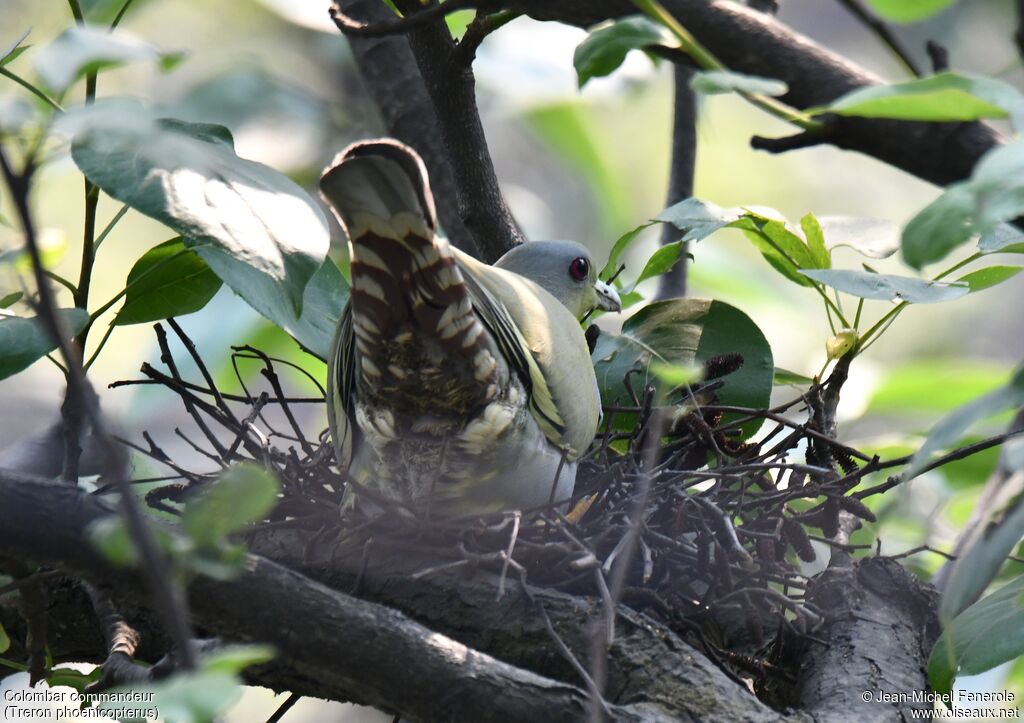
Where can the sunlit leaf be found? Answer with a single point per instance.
(782, 249)
(815, 235)
(169, 280)
(82, 49)
(712, 82)
(698, 219)
(942, 97)
(866, 285)
(908, 11)
(676, 375)
(604, 49)
(871, 237)
(987, 634)
(1003, 238)
(684, 332)
(242, 494)
(989, 277)
(23, 341)
(258, 231)
(11, 299)
(235, 658)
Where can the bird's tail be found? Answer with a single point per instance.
(401, 271)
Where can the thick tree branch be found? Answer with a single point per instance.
(881, 627)
(438, 101)
(392, 79)
(336, 646)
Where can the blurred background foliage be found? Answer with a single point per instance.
(587, 165)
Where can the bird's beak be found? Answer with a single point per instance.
(607, 297)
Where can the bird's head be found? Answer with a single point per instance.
(566, 271)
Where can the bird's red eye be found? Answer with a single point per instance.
(579, 269)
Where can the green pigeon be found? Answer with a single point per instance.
(454, 387)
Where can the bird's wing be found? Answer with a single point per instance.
(543, 342)
(340, 391)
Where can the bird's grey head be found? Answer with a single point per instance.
(566, 271)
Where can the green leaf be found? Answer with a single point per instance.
(5, 640)
(169, 280)
(660, 262)
(605, 48)
(242, 494)
(987, 634)
(908, 11)
(820, 256)
(71, 678)
(989, 277)
(993, 194)
(13, 50)
(83, 49)
(784, 376)
(183, 698)
(782, 249)
(111, 537)
(258, 231)
(11, 299)
(713, 82)
(624, 241)
(23, 341)
(684, 332)
(979, 564)
(235, 658)
(953, 427)
(942, 97)
(940, 227)
(103, 12)
(866, 285)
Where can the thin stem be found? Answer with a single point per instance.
(31, 89)
(703, 58)
(856, 318)
(76, 11)
(120, 14)
(61, 280)
(110, 227)
(884, 34)
(99, 347)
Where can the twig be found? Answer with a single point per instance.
(884, 34)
